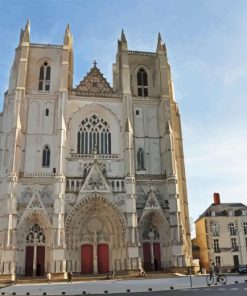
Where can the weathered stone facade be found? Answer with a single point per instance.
(92, 177)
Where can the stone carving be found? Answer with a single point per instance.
(35, 235)
(35, 203)
(95, 180)
(95, 183)
(152, 201)
(94, 82)
(151, 232)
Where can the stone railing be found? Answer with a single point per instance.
(46, 45)
(146, 53)
(91, 94)
(150, 177)
(41, 92)
(91, 155)
(37, 175)
(75, 184)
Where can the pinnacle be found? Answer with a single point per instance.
(128, 127)
(159, 43)
(123, 38)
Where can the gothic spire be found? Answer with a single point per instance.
(122, 43)
(123, 38)
(25, 34)
(67, 36)
(161, 47)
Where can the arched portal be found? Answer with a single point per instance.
(96, 236)
(34, 244)
(154, 238)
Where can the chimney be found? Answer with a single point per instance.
(216, 198)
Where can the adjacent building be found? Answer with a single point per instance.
(92, 176)
(221, 235)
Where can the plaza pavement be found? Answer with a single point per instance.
(114, 286)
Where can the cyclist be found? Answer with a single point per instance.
(215, 270)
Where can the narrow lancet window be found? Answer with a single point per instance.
(46, 156)
(45, 77)
(140, 160)
(142, 83)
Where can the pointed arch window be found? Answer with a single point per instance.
(94, 133)
(142, 83)
(46, 156)
(45, 77)
(140, 160)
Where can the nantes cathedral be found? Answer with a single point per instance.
(92, 177)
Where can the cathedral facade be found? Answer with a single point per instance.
(92, 177)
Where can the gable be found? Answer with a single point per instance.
(95, 180)
(94, 82)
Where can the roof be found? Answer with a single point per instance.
(222, 209)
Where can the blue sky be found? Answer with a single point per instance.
(207, 50)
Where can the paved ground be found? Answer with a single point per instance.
(229, 290)
(121, 286)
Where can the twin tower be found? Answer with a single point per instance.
(92, 176)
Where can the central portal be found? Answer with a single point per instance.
(98, 238)
(101, 257)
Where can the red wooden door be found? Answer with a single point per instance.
(157, 257)
(40, 267)
(103, 258)
(29, 261)
(147, 256)
(86, 259)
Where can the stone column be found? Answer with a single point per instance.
(95, 253)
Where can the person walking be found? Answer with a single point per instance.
(70, 277)
(48, 277)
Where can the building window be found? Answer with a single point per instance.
(137, 112)
(94, 133)
(46, 156)
(217, 260)
(140, 160)
(45, 77)
(232, 229)
(245, 228)
(234, 244)
(46, 112)
(142, 83)
(215, 229)
(216, 246)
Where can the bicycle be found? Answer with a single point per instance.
(213, 278)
